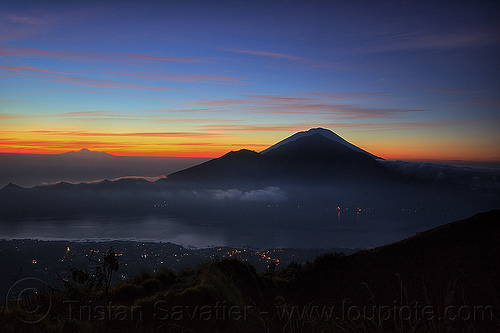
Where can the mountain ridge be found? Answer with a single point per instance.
(313, 157)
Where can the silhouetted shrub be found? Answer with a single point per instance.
(328, 261)
(167, 278)
(126, 293)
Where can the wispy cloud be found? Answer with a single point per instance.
(204, 110)
(160, 115)
(341, 95)
(88, 113)
(269, 54)
(44, 145)
(254, 128)
(54, 75)
(406, 125)
(188, 78)
(281, 98)
(21, 69)
(10, 115)
(111, 119)
(186, 120)
(127, 134)
(409, 125)
(430, 41)
(90, 116)
(292, 127)
(14, 26)
(309, 104)
(17, 19)
(448, 41)
(145, 57)
(221, 102)
(495, 103)
(15, 51)
(95, 82)
(341, 111)
(447, 91)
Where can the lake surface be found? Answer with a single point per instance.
(202, 234)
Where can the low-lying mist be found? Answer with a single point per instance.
(29, 170)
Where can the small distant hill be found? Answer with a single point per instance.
(86, 153)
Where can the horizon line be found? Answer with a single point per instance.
(125, 154)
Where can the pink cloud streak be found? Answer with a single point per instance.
(97, 82)
(188, 78)
(275, 104)
(127, 134)
(17, 69)
(332, 125)
(16, 51)
(270, 54)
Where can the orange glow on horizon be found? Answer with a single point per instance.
(175, 151)
(119, 144)
(212, 145)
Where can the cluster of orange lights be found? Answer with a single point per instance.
(237, 253)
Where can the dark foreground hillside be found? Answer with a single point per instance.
(442, 280)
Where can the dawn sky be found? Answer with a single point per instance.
(402, 80)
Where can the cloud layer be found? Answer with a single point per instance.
(268, 194)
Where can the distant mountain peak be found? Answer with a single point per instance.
(241, 152)
(12, 186)
(323, 132)
(86, 152)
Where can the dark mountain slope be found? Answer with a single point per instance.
(456, 264)
(316, 156)
(234, 167)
